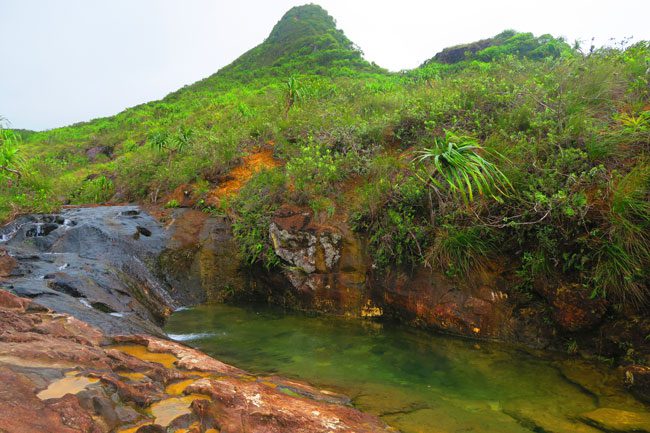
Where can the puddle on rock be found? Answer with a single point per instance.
(141, 352)
(133, 376)
(166, 411)
(70, 384)
(133, 429)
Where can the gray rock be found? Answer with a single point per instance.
(299, 247)
(98, 264)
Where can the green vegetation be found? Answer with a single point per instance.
(457, 162)
(517, 145)
(9, 154)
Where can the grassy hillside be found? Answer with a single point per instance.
(517, 145)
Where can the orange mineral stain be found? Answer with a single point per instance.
(240, 175)
(165, 359)
(177, 388)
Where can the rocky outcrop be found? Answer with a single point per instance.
(477, 307)
(325, 264)
(329, 271)
(328, 268)
(119, 268)
(573, 307)
(97, 264)
(201, 260)
(61, 375)
(95, 152)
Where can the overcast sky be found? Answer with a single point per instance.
(64, 61)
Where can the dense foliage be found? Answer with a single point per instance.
(533, 150)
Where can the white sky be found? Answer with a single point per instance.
(64, 61)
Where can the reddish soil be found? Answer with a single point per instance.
(240, 175)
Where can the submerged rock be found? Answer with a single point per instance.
(615, 420)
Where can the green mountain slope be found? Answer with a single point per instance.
(509, 42)
(535, 151)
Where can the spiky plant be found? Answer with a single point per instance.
(172, 144)
(456, 163)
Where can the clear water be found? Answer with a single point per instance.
(417, 382)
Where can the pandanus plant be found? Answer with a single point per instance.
(172, 144)
(163, 141)
(456, 165)
(293, 93)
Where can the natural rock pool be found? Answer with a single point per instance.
(416, 381)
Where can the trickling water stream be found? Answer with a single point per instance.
(417, 382)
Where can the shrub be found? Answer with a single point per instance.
(253, 209)
(313, 170)
(96, 190)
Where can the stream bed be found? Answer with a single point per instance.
(416, 381)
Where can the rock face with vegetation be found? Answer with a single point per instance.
(326, 268)
(500, 190)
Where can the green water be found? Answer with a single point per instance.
(417, 382)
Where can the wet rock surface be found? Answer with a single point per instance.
(96, 264)
(201, 260)
(62, 375)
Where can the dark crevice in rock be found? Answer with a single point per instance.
(406, 411)
(143, 231)
(102, 307)
(41, 230)
(66, 288)
(130, 212)
(580, 387)
(526, 423)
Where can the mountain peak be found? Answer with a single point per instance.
(305, 40)
(301, 21)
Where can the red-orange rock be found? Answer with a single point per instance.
(7, 264)
(253, 407)
(573, 307)
(67, 349)
(22, 412)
